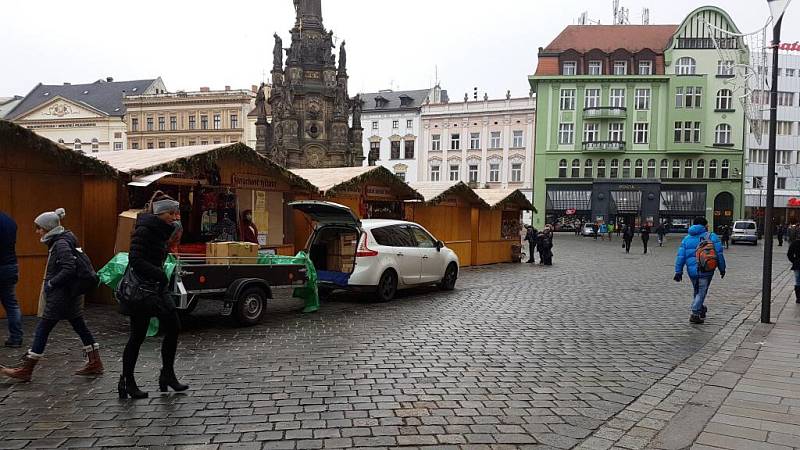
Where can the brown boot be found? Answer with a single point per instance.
(93, 364)
(24, 370)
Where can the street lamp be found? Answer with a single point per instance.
(777, 9)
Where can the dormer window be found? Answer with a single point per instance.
(406, 100)
(645, 67)
(381, 102)
(595, 67)
(569, 68)
(620, 67)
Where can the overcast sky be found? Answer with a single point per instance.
(491, 44)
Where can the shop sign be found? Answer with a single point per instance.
(571, 211)
(793, 202)
(449, 201)
(788, 46)
(627, 187)
(247, 181)
(379, 191)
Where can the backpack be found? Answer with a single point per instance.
(706, 254)
(86, 277)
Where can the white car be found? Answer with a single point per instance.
(744, 231)
(374, 255)
(588, 230)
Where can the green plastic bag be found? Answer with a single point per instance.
(307, 293)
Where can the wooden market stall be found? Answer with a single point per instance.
(372, 192)
(496, 228)
(446, 211)
(38, 175)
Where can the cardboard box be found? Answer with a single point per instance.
(232, 253)
(125, 224)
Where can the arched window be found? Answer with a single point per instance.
(626, 168)
(664, 172)
(638, 169)
(651, 168)
(722, 134)
(685, 66)
(601, 168)
(724, 99)
(576, 168)
(614, 171)
(712, 169)
(726, 166)
(701, 169)
(676, 169)
(587, 169)
(687, 169)
(95, 145)
(77, 144)
(562, 168)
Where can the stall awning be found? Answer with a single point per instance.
(580, 200)
(627, 201)
(330, 181)
(147, 180)
(435, 191)
(501, 197)
(683, 201)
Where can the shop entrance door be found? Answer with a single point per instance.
(723, 210)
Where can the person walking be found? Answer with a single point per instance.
(780, 231)
(644, 232)
(726, 236)
(545, 247)
(661, 231)
(146, 259)
(627, 238)
(794, 258)
(9, 275)
(60, 301)
(595, 230)
(530, 237)
(701, 253)
(603, 230)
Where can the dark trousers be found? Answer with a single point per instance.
(644, 243)
(627, 245)
(169, 324)
(46, 326)
(9, 276)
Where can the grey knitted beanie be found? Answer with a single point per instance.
(51, 219)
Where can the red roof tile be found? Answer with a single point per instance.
(608, 38)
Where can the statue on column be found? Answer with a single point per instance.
(277, 53)
(358, 104)
(342, 59)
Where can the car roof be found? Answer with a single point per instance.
(369, 224)
(746, 221)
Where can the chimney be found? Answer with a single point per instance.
(205, 89)
(227, 88)
(109, 79)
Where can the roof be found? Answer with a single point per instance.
(500, 197)
(104, 96)
(434, 191)
(8, 103)
(417, 99)
(583, 38)
(337, 179)
(11, 133)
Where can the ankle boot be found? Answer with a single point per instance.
(167, 378)
(797, 294)
(93, 364)
(24, 370)
(127, 387)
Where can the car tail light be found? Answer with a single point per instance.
(364, 251)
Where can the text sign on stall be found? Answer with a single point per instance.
(247, 181)
(379, 192)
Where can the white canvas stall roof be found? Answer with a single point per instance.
(131, 160)
(497, 197)
(326, 179)
(432, 190)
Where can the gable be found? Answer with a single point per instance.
(60, 108)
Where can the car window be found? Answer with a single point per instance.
(744, 226)
(383, 236)
(393, 236)
(424, 240)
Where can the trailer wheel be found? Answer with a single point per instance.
(250, 306)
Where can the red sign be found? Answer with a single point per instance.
(792, 47)
(571, 211)
(793, 202)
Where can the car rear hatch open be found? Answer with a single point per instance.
(327, 213)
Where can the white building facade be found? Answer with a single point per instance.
(485, 143)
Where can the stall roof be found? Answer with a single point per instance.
(185, 159)
(434, 191)
(500, 197)
(11, 133)
(338, 179)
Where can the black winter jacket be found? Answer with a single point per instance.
(60, 277)
(794, 255)
(149, 248)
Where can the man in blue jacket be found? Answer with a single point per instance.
(687, 257)
(9, 275)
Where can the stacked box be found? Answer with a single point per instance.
(232, 253)
(347, 250)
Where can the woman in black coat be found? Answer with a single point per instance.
(627, 237)
(794, 257)
(146, 259)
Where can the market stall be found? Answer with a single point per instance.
(446, 211)
(497, 228)
(38, 175)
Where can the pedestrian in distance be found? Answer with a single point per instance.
(794, 258)
(603, 231)
(701, 253)
(627, 238)
(545, 246)
(530, 237)
(148, 252)
(644, 232)
(792, 233)
(780, 231)
(9, 275)
(595, 230)
(61, 301)
(661, 231)
(726, 235)
(611, 228)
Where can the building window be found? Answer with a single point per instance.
(149, 124)
(567, 99)
(173, 123)
(77, 144)
(150, 146)
(192, 142)
(641, 133)
(591, 132)
(395, 124)
(409, 150)
(758, 182)
(562, 168)
(591, 98)
(626, 168)
(790, 72)
(638, 169)
(173, 144)
(161, 124)
(642, 99)
(587, 169)
(192, 122)
(518, 141)
(117, 146)
(395, 150)
(162, 144)
(601, 168)
(454, 173)
(614, 172)
(687, 132)
(474, 141)
(494, 172)
(134, 124)
(620, 67)
(203, 142)
(712, 169)
(617, 99)
(645, 67)
(409, 124)
(616, 131)
(676, 169)
(569, 68)
(664, 169)
(436, 172)
(725, 68)
(595, 67)
(95, 145)
(784, 127)
(576, 169)
(455, 141)
(203, 122)
(135, 145)
(780, 183)
(687, 169)
(375, 149)
(722, 134)
(234, 121)
(785, 98)
(701, 169)
(375, 125)
(726, 166)
(473, 173)
(495, 140)
(566, 133)
(401, 175)
(724, 100)
(436, 142)
(217, 121)
(783, 157)
(693, 97)
(685, 66)
(651, 168)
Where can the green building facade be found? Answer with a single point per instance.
(640, 123)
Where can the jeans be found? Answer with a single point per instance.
(46, 326)
(169, 324)
(9, 276)
(796, 277)
(700, 285)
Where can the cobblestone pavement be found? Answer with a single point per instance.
(516, 356)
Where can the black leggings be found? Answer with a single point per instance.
(169, 324)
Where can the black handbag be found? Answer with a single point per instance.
(137, 296)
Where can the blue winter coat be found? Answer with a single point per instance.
(686, 253)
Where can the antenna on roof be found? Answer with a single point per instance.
(645, 16)
(584, 19)
(620, 14)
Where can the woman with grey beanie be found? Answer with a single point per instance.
(60, 301)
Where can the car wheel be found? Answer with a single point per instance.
(387, 286)
(250, 306)
(448, 282)
(324, 293)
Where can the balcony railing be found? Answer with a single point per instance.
(605, 112)
(604, 146)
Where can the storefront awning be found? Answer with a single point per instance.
(627, 201)
(683, 201)
(580, 200)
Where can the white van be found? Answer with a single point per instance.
(744, 231)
